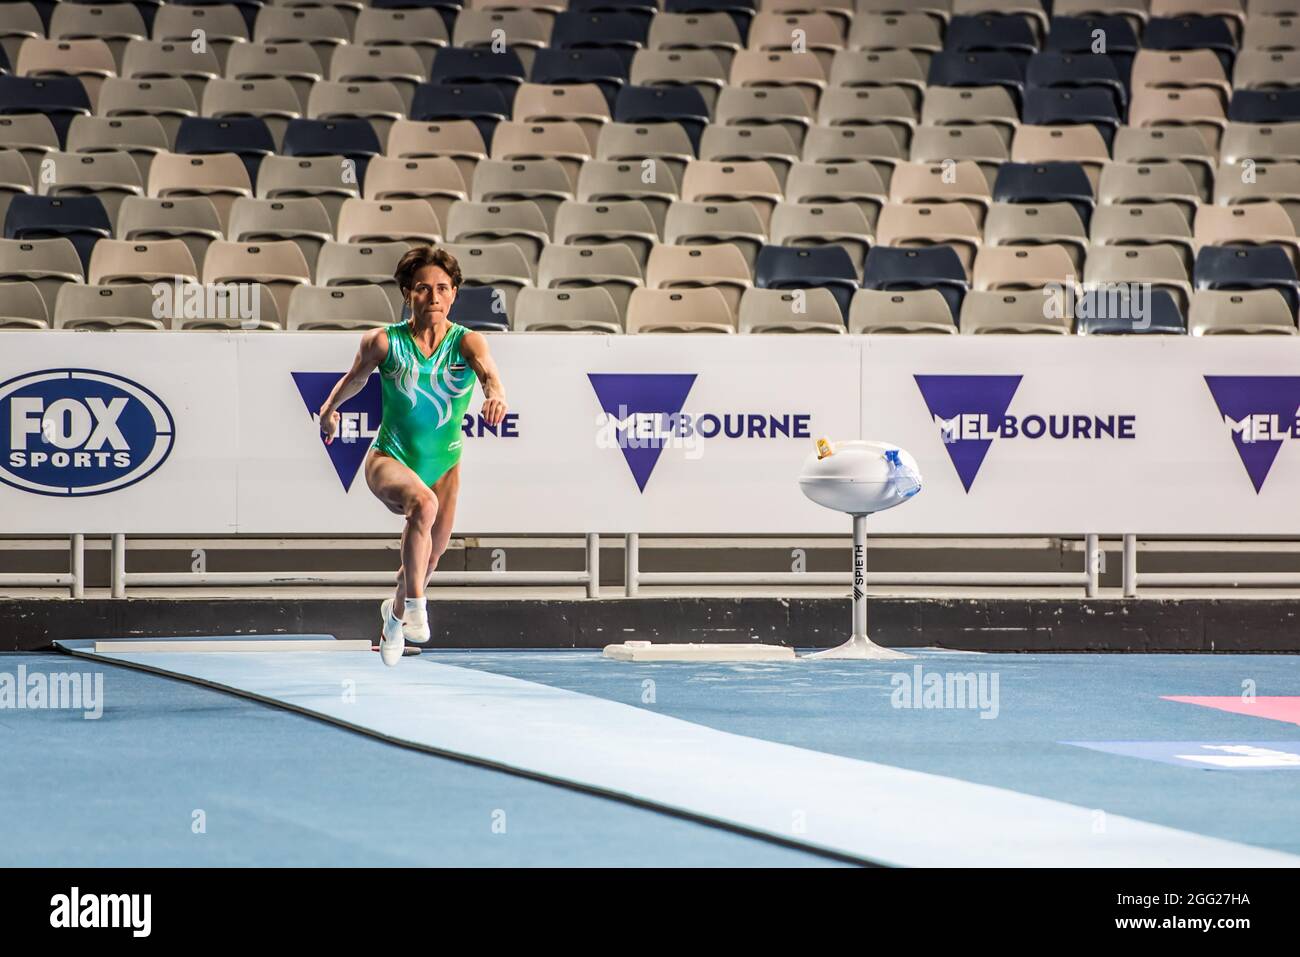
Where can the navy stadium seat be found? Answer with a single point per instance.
(59, 97)
(664, 104)
(80, 219)
(991, 32)
(808, 267)
(1163, 319)
(1265, 106)
(480, 102)
(741, 11)
(1077, 35)
(1091, 104)
(978, 69)
(474, 309)
(645, 9)
(898, 268)
(447, 9)
(1045, 183)
(620, 33)
(1192, 33)
(248, 9)
(605, 68)
(1057, 70)
(354, 139)
(1246, 267)
(455, 66)
(246, 136)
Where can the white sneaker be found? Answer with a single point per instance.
(391, 647)
(415, 627)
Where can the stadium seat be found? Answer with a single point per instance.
(994, 106)
(193, 220)
(619, 33)
(362, 264)
(1144, 224)
(719, 266)
(910, 32)
(499, 265)
(1111, 315)
(979, 70)
(683, 105)
(460, 141)
(628, 223)
(140, 137)
(503, 72)
(110, 176)
(804, 224)
(116, 261)
(59, 98)
(1201, 109)
(1056, 70)
(562, 141)
(279, 266)
(877, 145)
(780, 69)
(826, 267)
(702, 309)
(21, 307)
(221, 177)
(1002, 312)
(1038, 183)
(947, 224)
(607, 180)
(868, 68)
(295, 63)
(1160, 265)
(874, 311)
(855, 182)
(523, 32)
(249, 138)
(1248, 267)
(481, 308)
(519, 222)
(1277, 182)
(1081, 144)
(604, 68)
(612, 268)
(1191, 33)
(88, 61)
(1160, 144)
(160, 60)
(80, 219)
(706, 223)
(354, 140)
(566, 310)
(104, 308)
(937, 268)
(758, 106)
(888, 107)
(1022, 267)
(1030, 224)
(322, 27)
(1001, 32)
(581, 103)
(327, 178)
(791, 311)
(222, 26)
(1258, 312)
(31, 135)
(168, 100)
(1247, 224)
(543, 182)
(982, 145)
(1057, 107)
(437, 180)
(1267, 143)
(1265, 106)
(1266, 69)
(769, 144)
(303, 221)
(754, 182)
(113, 23)
(1149, 183)
(422, 30)
(46, 263)
(376, 101)
(341, 308)
(483, 103)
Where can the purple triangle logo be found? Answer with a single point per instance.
(968, 409)
(624, 395)
(1259, 411)
(359, 419)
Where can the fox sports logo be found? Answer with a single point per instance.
(74, 432)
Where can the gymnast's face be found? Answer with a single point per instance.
(431, 294)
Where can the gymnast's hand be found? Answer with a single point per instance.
(329, 424)
(494, 410)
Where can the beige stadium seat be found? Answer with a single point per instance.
(1149, 183)
(193, 220)
(780, 70)
(222, 26)
(140, 137)
(293, 177)
(1265, 143)
(48, 264)
(1026, 224)
(562, 141)
(1023, 267)
(929, 183)
(457, 140)
(422, 29)
(322, 27)
(15, 179)
(940, 10)
(666, 143)
(21, 21)
(547, 8)
(90, 61)
(939, 224)
(297, 63)
(1080, 144)
(868, 68)
(272, 101)
(760, 106)
(247, 307)
(628, 222)
(566, 310)
(1263, 9)
(612, 268)
(923, 311)
(542, 182)
(985, 312)
(1160, 265)
(114, 23)
(362, 264)
(302, 221)
(887, 106)
(814, 31)
(500, 265)
(349, 10)
(169, 101)
(680, 310)
(914, 32)
(1144, 225)
(841, 11)
(753, 182)
(795, 310)
(221, 177)
(1200, 109)
(22, 308)
(1181, 70)
(857, 182)
(1169, 144)
(1278, 182)
(523, 31)
(112, 177)
(32, 135)
(610, 180)
(770, 144)
(1266, 69)
(695, 31)
(701, 69)
(1223, 312)
(581, 103)
(521, 223)
(115, 261)
(436, 180)
(1249, 223)
(338, 308)
(852, 144)
(161, 60)
(703, 224)
(108, 308)
(981, 145)
(1233, 12)
(971, 106)
(278, 265)
(719, 266)
(379, 103)
(806, 224)
(380, 220)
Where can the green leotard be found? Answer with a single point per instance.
(424, 402)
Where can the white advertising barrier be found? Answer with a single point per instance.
(669, 434)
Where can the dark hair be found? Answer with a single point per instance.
(421, 256)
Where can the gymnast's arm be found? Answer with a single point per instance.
(371, 352)
(474, 348)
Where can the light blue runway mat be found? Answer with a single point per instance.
(951, 759)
